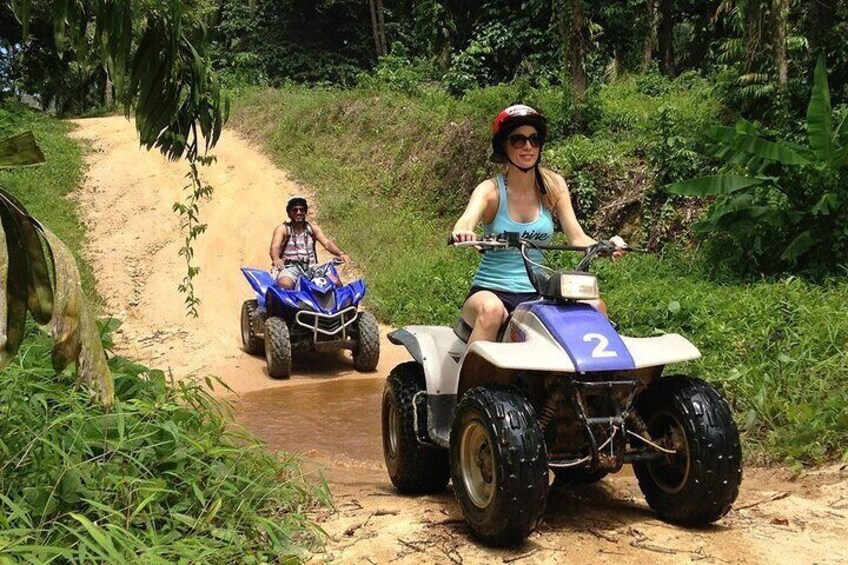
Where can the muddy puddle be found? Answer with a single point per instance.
(330, 420)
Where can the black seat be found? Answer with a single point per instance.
(463, 331)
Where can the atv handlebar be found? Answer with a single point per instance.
(511, 240)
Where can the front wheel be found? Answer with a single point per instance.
(414, 467)
(499, 464)
(366, 352)
(698, 483)
(278, 349)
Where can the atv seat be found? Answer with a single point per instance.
(463, 330)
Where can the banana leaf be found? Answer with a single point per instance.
(713, 185)
(20, 150)
(819, 124)
(76, 337)
(800, 245)
(754, 146)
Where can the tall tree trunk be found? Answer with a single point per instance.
(381, 28)
(781, 17)
(108, 97)
(574, 38)
(375, 27)
(650, 36)
(666, 38)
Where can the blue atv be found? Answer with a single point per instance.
(318, 315)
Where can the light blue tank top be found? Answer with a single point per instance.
(503, 269)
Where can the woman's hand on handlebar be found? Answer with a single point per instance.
(459, 236)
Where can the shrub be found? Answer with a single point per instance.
(165, 477)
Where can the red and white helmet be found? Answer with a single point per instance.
(509, 119)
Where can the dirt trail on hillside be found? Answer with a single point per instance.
(133, 248)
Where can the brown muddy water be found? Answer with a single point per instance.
(330, 420)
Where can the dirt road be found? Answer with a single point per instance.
(330, 413)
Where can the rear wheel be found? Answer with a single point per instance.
(699, 482)
(413, 467)
(250, 321)
(366, 352)
(278, 350)
(499, 464)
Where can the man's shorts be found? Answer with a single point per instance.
(509, 299)
(292, 271)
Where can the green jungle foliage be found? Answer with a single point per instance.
(775, 347)
(164, 477)
(787, 204)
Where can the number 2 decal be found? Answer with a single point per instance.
(600, 349)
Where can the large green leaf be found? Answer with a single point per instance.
(39, 287)
(755, 146)
(819, 119)
(713, 185)
(20, 150)
(800, 245)
(13, 259)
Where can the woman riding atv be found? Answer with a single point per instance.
(525, 198)
(293, 245)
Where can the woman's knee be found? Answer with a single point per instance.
(491, 313)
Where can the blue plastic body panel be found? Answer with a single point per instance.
(586, 335)
(305, 292)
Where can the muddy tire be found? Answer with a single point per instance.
(366, 353)
(250, 320)
(278, 350)
(699, 483)
(577, 476)
(414, 467)
(499, 465)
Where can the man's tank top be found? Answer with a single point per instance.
(300, 247)
(503, 269)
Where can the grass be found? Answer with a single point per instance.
(392, 172)
(165, 477)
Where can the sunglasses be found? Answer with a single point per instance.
(518, 140)
(296, 209)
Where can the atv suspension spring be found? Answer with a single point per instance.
(549, 410)
(638, 422)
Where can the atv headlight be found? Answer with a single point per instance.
(575, 286)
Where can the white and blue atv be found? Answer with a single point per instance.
(561, 391)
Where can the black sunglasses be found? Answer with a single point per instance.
(296, 209)
(518, 140)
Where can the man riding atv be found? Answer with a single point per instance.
(293, 245)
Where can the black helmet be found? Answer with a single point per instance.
(296, 201)
(508, 120)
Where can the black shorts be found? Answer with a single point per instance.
(509, 299)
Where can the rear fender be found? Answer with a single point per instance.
(260, 281)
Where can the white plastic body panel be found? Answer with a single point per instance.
(441, 352)
(527, 345)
